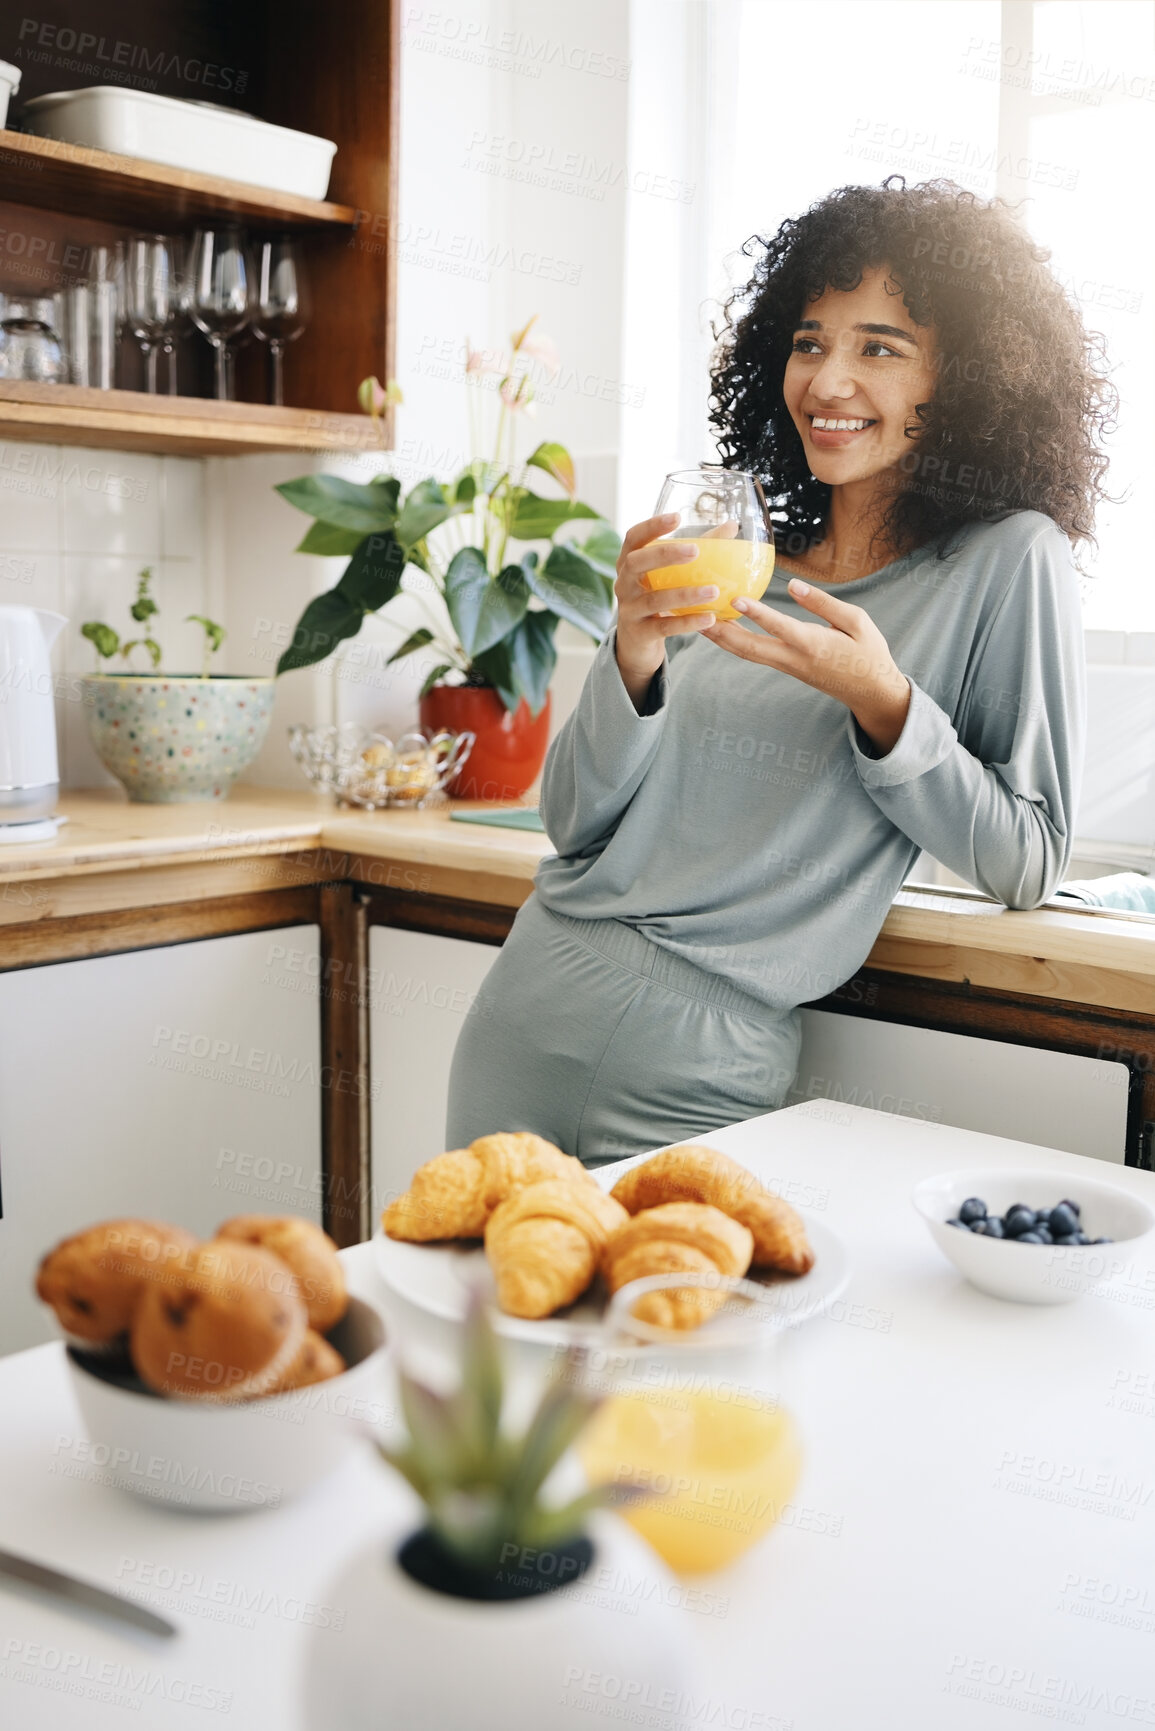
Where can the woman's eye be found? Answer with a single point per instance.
(877, 348)
(805, 346)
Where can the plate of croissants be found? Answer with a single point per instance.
(555, 1242)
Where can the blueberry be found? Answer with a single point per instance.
(1062, 1221)
(992, 1227)
(1019, 1219)
(1073, 1206)
(961, 1223)
(1043, 1233)
(1030, 1238)
(971, 1210)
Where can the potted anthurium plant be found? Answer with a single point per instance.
(491, 1609)
(170, 737)
(503, 557)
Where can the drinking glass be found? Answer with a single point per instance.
(29, 346)
(282, 305)
(724, 513)
(221, 288)
(150, 296)
(697, 1420)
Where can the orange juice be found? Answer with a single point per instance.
(718, 1473)
(737, 567)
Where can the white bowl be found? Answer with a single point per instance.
(1033, 1273)
(228, 1458)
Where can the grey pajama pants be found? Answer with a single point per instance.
(595, 1037)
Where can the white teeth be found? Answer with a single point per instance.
(822, 424)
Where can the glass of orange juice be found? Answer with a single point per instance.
(723, 512)
(697, 1422)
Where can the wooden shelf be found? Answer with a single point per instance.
(175, 426)
(94, 184)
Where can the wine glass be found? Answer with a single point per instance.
(219, 302)
(282, 305)
(150, 296)
(724, 512)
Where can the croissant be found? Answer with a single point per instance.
(677, 1238)
(544, 1242)
(454, 1195)
(694, 1174)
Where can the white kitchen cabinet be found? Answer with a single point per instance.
(179, 1083)
(1055, 1099)
(420, 987)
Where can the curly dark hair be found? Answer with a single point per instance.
(1022, 397)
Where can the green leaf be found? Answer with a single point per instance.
(570, 585)
(556, 461)
(418, 641)
(431, 679)
(102, 637)
(601, 549)
(215, 633)
(429, 1420)
(343, 504)
(426, 506)
(536, 519)
(324, 539)
(533, 657)
(480, 1395)
(324, 623)
(484, 609)
(387, 487)
(373, 575)
(148, 643)
(544, 1528)
(494, 667)
(562, 1414)
(143, 609)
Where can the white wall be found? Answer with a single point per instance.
(513, 194)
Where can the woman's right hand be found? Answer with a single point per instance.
(643, 613)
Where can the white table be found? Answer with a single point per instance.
(972, 1543)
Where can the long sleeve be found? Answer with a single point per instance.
(995, 801)
(600, 756)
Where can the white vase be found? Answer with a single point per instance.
(617, 1642)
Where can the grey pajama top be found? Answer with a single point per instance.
(744, 821)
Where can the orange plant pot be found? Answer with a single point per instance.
(508, 750)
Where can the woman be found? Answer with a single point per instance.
(734, 806)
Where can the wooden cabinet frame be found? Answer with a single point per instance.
(345, 910)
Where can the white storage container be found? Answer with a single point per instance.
(196, 135)
(9, 85)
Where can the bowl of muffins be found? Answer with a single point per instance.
(224, 1374)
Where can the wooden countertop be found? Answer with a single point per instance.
(113, 855)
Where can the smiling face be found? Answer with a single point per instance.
(858, 369)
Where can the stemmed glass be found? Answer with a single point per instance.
(150, 296)
(282, 305)
(219, 302)
(724, 512)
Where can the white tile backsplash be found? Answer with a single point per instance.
(111, 504)
(76, 528)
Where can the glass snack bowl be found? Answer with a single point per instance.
(367, 769)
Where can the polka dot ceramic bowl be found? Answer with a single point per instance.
(169, 738)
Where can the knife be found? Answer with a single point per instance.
(82, 1593)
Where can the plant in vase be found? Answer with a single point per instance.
(486, 1614)
(500, 558)
(170, 737)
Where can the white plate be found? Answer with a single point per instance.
(438, 1279)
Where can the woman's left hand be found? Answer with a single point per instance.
(848, 658)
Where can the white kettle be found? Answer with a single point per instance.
(29, 774)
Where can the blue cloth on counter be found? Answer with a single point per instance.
(1131, 892)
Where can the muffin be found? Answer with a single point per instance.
(317, 1361)
(309, 1252)
(95, 1279)
(226, 1329)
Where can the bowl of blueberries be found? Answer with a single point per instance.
(1030, 1235)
